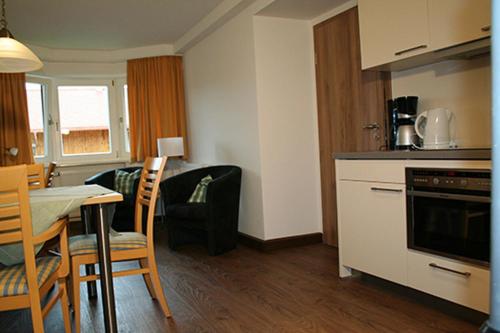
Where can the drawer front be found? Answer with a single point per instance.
(383, 171)
(471, 291)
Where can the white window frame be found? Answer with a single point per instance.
(53, 134)
(47, 116)
(120, 103)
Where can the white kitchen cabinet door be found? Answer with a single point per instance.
(453, 22)
(392, 30)
(372, 228)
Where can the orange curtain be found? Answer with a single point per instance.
(156, 103)
(14, 121)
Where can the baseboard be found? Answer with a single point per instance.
(280, 243)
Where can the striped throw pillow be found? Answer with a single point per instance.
(124, 181)
(200, 192)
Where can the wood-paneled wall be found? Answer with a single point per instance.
(348, 100)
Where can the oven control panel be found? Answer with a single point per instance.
(472, 180)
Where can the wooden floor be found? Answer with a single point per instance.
(292, 290)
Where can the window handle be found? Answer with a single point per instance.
(52, 122)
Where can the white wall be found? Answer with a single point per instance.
(222, 119)
(462, 86)
(251, 101)
(288, 132)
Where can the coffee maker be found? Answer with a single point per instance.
(402, 112)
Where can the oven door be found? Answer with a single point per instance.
(452, 225)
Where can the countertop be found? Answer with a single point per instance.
(447, 154)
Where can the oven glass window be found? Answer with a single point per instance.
(452, 227)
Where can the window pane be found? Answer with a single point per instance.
(84, 118)
(126, 118)
(34, 92)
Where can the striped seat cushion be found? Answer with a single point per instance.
(13, 278)
(87, 244)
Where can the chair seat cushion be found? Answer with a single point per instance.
(187, 211)
(13, 278)
(87, 244)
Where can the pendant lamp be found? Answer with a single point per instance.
(14, 56)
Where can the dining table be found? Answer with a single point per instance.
(49, 204)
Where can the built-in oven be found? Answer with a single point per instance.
(448, 213)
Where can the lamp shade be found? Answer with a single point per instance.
(17, 58)
(170, 147)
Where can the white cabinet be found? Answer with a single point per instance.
(392, 30)
(371, 205)
(372, 233)
(395, 30)
(449, 279)
(453, 22)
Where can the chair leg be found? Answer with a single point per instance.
(155, 281)
(75, 285)
(64, 305)
(147, 278)
(36, 312)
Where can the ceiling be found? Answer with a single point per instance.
(103, 24)
(300, 9)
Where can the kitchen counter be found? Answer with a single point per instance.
(448, 154)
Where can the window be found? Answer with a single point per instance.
(78, 121)
(84, 117)
(36, 114)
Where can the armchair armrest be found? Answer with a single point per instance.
(106, 179)
(178, 189)
(223, 198)
(59, 228)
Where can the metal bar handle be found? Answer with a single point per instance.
(381, 189)
(486, 28)
(449, 196)
(423, 46)
(465, 274)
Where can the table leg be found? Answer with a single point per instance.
(105, 271)
(89, 269)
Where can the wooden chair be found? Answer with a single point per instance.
(50, 174)
(127, 245)
(36, 177)
(23, 285)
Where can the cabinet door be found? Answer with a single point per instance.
(454, 22)
(392, 30)
(372, 228)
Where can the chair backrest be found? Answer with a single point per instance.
(36, 177)
(15, 216)
(50, 174)
(15, 226)
(147, 193)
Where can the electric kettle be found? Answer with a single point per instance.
(436, 128)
